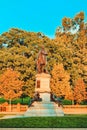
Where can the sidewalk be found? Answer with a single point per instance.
(11, 116)
(7, 115)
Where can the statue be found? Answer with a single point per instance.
(41, 61)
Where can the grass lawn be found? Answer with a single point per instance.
(68, 121)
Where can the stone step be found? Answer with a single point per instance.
(45, 105)
(44, 109)
(45, 113)
(39, 115)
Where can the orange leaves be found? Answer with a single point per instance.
(79, 91)
(66, 22)
(60, 81)
(79, 17)
(10, 85)
(60, 85)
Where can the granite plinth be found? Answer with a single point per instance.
(44, 83)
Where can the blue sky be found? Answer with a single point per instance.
(38, 15)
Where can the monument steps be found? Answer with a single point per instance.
(46, 105)
(44, 109)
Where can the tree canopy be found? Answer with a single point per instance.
(60, 85)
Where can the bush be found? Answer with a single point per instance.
(24, 101)
(66, 102)
(2, 100)
(84, 102)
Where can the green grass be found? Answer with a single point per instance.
(68, 121)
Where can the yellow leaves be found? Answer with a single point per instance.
(66, 22)
(79, 91)
(82, 26)
(59, 72)
(79, 16)
(10, 85)
(60, 81)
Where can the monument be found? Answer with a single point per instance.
(42, 77)
(43, 106)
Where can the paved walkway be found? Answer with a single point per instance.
(11, 116)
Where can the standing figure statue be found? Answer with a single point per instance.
(41, 61)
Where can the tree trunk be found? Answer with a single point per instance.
(72, 102)
(22, 100)
(10, 105)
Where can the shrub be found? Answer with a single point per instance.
(66, 102)
(24, 101)
(2, 100)
(84, 102)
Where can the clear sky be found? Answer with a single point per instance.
(38, 15)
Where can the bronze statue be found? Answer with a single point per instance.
(41, 61)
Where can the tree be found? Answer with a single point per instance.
(60, 82)
(74, 47)
(79, 91)
(21, 54)
(66, 23)
(79, 18)
(10, 84)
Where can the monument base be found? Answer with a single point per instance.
(45, 107)
(42, 83)
(45, 97)
(39, 109)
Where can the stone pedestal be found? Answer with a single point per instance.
(43, 86)
(42, 83)
(45, 97)
(44, 107)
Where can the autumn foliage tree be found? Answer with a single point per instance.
(60, 82)
(79, 91)
(10, 84)
(19, 50)
(66, 23)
